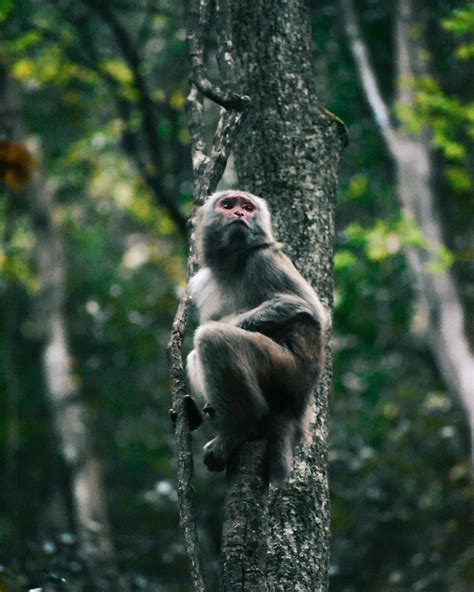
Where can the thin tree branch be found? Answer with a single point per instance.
(88, 59)
(194, 109)
(149, 122)
(198, 26)
(229, 122)
(367, 75)
(208, 170)
(211, 173)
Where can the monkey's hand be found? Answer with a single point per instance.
(192, 412)
(276, 311)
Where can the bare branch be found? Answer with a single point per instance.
(208, 170)
(145, 102)
(198, 26)
(221, 147)
(194, 109)
(367, 75)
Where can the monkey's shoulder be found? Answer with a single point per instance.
(273, 272)
(198, 283)
(211, 300)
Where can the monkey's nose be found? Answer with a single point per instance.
(239, 214)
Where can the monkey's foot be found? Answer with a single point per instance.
(215, 456)
(192, 412)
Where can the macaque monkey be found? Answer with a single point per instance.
(258, 350)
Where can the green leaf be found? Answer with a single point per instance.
(458, 179)
(119, 71)
(344, 259)
(5, 7)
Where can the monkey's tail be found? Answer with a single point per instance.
(280, 448)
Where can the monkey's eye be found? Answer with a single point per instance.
(249, 208)
(227, 204)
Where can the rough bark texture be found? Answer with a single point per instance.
(245, 523)
(288, 152)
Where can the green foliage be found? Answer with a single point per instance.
(5, 7)
(461, 23)
(16, 248)
(399, 465)
(385, 239)
(450, 118)
(399, 443)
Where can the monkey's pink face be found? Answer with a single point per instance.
(237, 208)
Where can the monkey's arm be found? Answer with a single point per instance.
(276, 311)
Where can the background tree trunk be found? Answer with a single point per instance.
(413, 155)
(69, 414)
(415, 185)
(288, 151)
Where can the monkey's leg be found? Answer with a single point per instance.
(236, 364)
(195, 375)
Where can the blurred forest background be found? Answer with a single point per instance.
(97, 91)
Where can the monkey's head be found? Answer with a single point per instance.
(231, 223)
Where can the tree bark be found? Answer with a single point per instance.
(288, 151)
(413, 156)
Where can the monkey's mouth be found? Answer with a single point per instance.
(241, 221)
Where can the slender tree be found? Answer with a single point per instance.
(414, 158)
(68, 411)
(288, 150)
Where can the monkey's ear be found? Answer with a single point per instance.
(192, 412)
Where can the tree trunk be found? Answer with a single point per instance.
(415, 187)
(288, 151)
(415, 168)
(68, 411)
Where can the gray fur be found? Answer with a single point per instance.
(258, 350)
